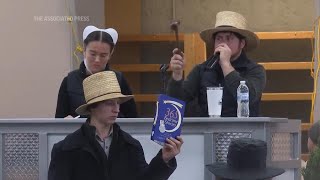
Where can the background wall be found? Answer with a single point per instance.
(36, 54)
(196, 15)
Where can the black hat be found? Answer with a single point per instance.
(246, 160)
(314, 133)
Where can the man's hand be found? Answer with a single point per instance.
(225, 58)
(225, 54)
(177, 64)
(171, 148)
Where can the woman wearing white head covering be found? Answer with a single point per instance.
(98, 48)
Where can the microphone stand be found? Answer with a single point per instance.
(163, 75)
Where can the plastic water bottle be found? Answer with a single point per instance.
(243, 100)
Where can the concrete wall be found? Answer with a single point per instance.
(36, 54)
(317, 7)
(93, 9)
(196, 15)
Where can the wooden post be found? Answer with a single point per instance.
(195, 51)
(125, 17)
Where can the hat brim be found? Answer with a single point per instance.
(222, 170)
(252, 40)
(83, 109)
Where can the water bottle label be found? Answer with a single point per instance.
(244, 96)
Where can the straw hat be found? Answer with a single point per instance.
(99, 87)
(233, 22)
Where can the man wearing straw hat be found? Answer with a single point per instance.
(100, 149)
(229, 40)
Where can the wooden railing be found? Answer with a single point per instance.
(285, 35)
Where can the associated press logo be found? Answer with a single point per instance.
(61, 18)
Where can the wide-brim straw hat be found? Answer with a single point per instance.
(100, 87)
(232, 22)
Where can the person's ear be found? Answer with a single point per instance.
(242, 43)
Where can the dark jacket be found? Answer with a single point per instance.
(195, 86)
(71, 94)
(80, 157)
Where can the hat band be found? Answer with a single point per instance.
(102, 95)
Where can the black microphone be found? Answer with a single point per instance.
(213, 60)
(164, 67)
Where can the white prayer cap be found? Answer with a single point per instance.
(112, 32)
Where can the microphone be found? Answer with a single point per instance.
(213, 60)
(164, 67)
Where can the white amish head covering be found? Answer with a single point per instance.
(112, 32)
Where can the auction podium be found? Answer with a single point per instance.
(26, 144)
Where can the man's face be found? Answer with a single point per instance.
(231, 40)
(97, 55)
(106, 112)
